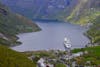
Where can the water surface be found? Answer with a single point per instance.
(52, 36)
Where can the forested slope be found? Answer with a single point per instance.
(12, 24)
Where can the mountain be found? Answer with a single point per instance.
(41, 9)
(64, 10)
(10, 58)
(87, 12)
(84, 12)
(12, 24)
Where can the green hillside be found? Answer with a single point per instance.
(10, 58)
(94, 32)
(12, 24)
(85, 13)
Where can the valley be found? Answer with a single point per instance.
(34, 29)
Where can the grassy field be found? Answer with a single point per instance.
(10, 58)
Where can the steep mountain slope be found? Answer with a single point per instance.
(12, 24)
(84, 12)
(41, 9)
(10, 58)
(87, 12)
(64, 10)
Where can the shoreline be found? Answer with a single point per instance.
(54, 49)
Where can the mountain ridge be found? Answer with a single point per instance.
(49, 9)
